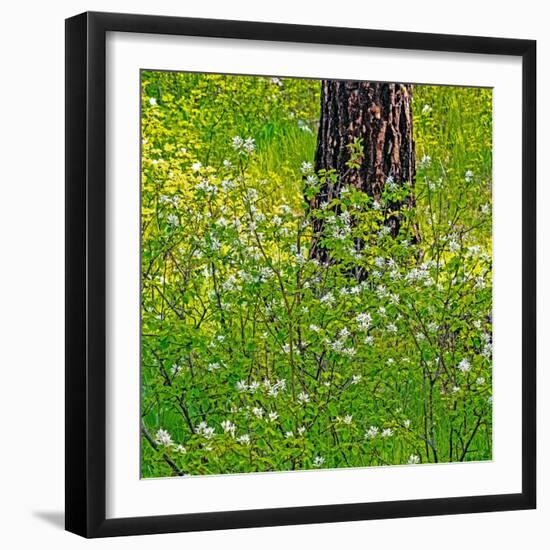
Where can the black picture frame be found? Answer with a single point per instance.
(86, 275)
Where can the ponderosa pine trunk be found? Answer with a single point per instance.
(380, 115)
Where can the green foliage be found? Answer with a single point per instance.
(256, 357)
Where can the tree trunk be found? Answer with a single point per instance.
(380, 115)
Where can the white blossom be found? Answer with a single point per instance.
(372, 432)
(303, 397)
(464, 365)
(229, 427)
(163, 438)
(318, 461)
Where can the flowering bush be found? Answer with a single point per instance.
(258, 357)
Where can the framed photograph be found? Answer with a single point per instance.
(300, 274)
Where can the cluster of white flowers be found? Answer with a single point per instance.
(258, 412)
(464, 365)
(229, 427)
(206, 186)
(244, 439)
(175, 369)
(243, 146)
(205, 430)
(318, 461)
(303, 397)
(372, 432)
(173, 220)
(163, 438)
(307, 168)
(425, 161)
(327, 299)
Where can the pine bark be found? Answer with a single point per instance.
(380, 114)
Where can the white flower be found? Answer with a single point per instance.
(464, 365)
(388, 432)
(249, 145)
(227, 163)
(480, 381)
(301, 430)
(175, 369)
(348, 419)
(237, 143)
(196, 166)
(425, 161)
(214, 366)
(318, 461)
(407, 423)
(254, 386)
(304, 127)
(454, 246)
(372, 432)
(314, 328)
(303, 397)
(307, 168)
(172, 219)
(273, 416)
(344, 333)
(355, 379)
(276, 81)
(229, 427)
(426, 109)
(392, 328)
(364, 320)
(258, 412)
(241, 386)
(328, 299)
(244, 439)
(468, 175)
(485, 209)
(289, 434)
(181, 449)
(369, 340)
(152, 101)
(311, 179)
(413, 459)
(163, 438)
(350, 352)
(455, 389)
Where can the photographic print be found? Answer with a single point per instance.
(316, 280)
